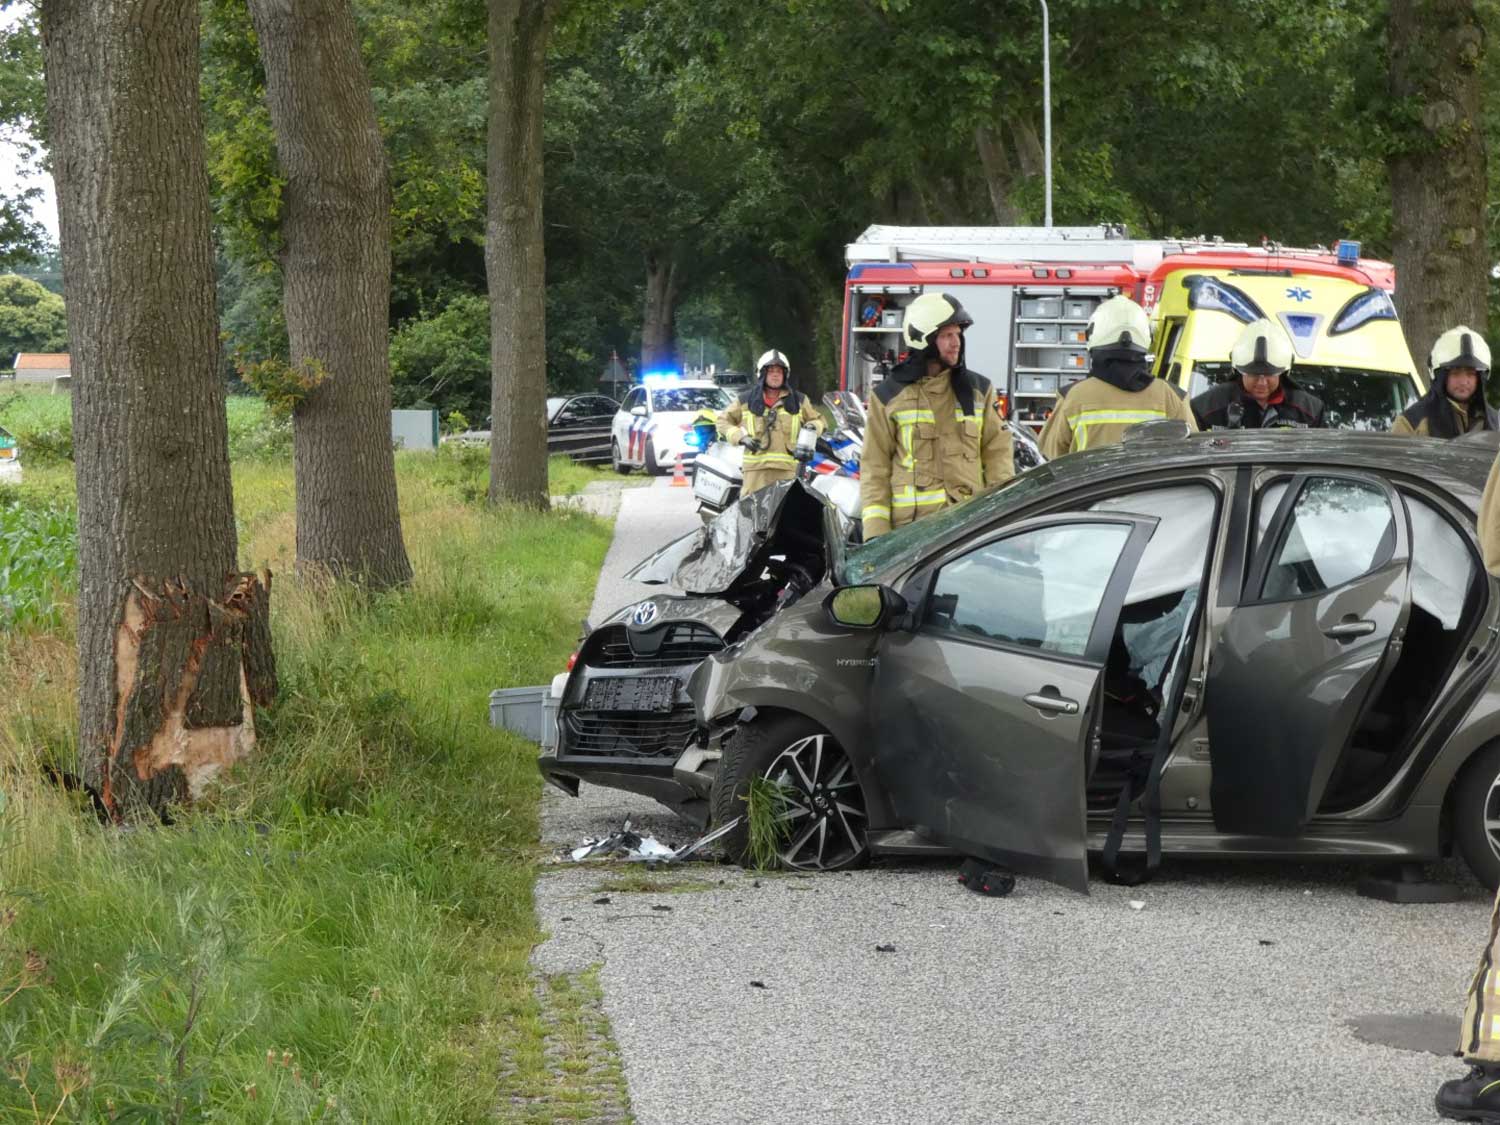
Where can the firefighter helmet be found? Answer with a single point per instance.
(928, 315)
(1120, 324)
(769, 358)
(1460, 347)
(1262, 349)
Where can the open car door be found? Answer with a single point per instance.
(1317, 628)
(985, 712)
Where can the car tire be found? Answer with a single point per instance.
(614, 458)
(828, 823)
(1476, 798)
(652, 468)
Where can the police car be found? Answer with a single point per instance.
(655, 422)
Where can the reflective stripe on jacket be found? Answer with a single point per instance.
(1094, 413)
(776, 430)
(922, 453)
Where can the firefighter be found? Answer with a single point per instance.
(766, 420)
(1263, 394)
(1476, 1096)
(1119, 391)
(932, 437)
(1454, 404)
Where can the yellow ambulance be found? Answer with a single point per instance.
(1336, 309)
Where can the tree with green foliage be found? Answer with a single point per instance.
(32, 319)
(22, 109)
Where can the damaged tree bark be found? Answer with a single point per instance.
(173, 645)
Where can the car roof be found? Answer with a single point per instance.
(1458, 467)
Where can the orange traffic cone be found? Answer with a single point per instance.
(679, 476)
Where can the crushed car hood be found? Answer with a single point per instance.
(730, 553)
(652, 612)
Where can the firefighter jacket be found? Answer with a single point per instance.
(930, 441)
(1489, 524)
(1437, 415)
(1228, 405)
(775, 427)
(1099, 410)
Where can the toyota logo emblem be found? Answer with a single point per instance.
(644, 614)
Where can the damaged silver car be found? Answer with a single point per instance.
(1222, 645)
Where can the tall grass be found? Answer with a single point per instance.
(341, 931)
(43, 424)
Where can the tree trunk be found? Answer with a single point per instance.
(173, 644)
(1030, 152)
(336, 267)
(1438, 172)
(998, 175)
(659, 328)
(514, 258)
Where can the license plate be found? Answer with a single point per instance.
(631, 694)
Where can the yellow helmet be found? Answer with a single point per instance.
(1119, 323)
(928, 315)
(1262, 349)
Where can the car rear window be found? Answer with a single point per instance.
(1353, 398)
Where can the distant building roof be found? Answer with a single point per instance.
(42, 361)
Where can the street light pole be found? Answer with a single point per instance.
(1047, 105)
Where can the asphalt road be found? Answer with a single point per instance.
(1230, 995)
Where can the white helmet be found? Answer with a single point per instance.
(1119, 323)
(769, 358)
(929, 314)
(1262, 349)
(1459, 347)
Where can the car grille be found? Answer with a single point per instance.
(629, 734)
(681, 643)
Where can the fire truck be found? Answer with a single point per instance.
(1032, 290)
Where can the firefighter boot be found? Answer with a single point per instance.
(1474, 1097)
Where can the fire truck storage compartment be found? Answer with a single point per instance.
(987, 344)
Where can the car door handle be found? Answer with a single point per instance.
(1054, 703)
(1349, 628)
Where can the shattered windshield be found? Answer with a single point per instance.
(862, 562)
(1353, 398)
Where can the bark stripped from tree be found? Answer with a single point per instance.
(173, 645)
(1438, 174)
(336, 267)
(515, 264)
(659, 326)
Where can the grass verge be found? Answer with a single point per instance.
(341, 931)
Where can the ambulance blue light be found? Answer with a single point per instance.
(660, 378)
(1348, 252)
(1301, 327)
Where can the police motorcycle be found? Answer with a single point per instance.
(827, 463)
(831, 468)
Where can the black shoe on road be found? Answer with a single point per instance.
(1474, 1097)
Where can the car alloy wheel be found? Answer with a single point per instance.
(614, 458)
(1492, 817)
(825, 807)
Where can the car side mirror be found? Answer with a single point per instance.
(864, 607)
(638, 411)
